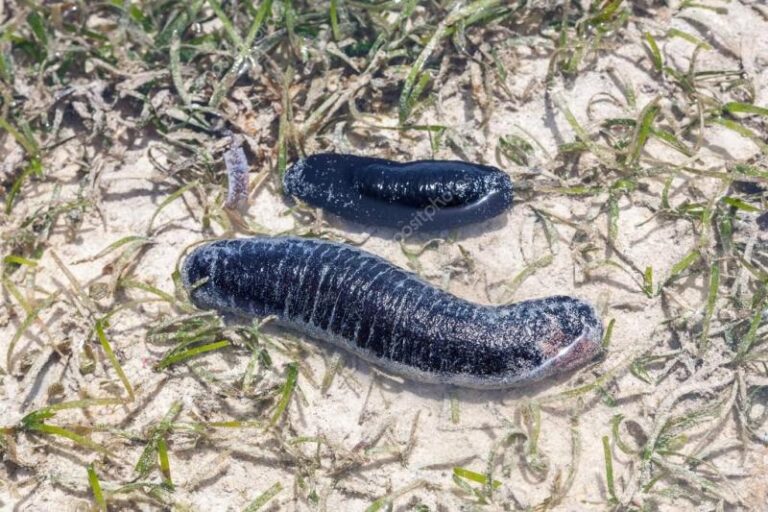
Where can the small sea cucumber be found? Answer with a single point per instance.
(389, 316)
(237, 174)
(428, 194)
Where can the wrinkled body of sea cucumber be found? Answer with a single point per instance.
(425, 194)
(389, 316)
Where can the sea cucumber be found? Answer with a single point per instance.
(425, 194)
(237, 174)
(389, 316)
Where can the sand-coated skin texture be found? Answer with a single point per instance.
(389, 316)
(430, 194)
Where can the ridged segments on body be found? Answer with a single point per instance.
(389, 316)
(426, 194)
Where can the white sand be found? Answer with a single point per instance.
(231, 467)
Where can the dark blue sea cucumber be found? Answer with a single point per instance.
(425, 194)
(391, 317)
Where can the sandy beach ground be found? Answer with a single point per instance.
(351, 437)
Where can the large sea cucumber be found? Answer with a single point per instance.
(425, 194)
(389, 316)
